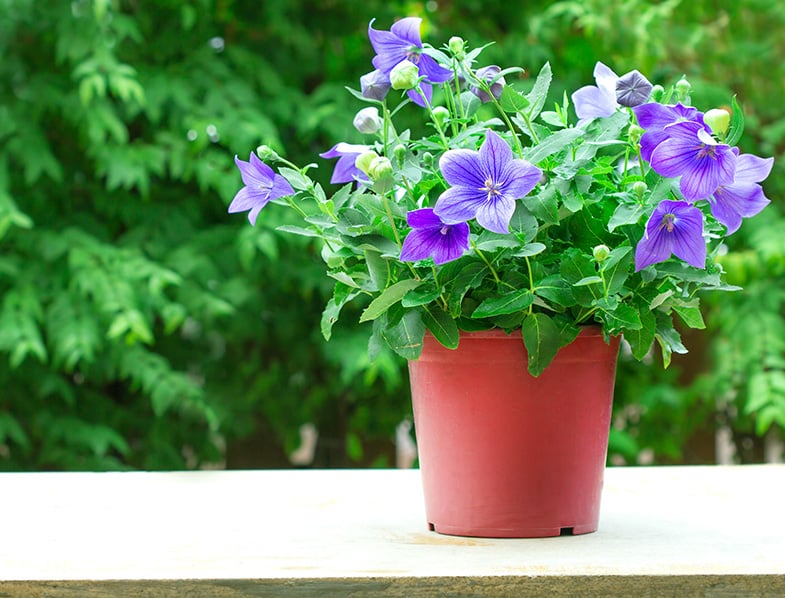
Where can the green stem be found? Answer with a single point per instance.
(508, 122)
(487, 263)
(433, 118)
(531, 280)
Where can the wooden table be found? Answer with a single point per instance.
(682, 531)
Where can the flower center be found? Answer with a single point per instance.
(707, 151)
(668, 221)
(492, 188)
(445, 229)
(413, 55)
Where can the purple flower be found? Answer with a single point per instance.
(744, 196)
(675, 227)
(401, 43)
(692, 153)
(432, 237)
(261, 186)
(485, 184)
(345, 170)
(656, 118)
(487, 73)
(632, 89)
(375, 85)
(596, 101)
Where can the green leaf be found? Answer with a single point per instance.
(552, 144)
(512, 100)
(405, 337)
(442, 326)
(467, 278)
(622, 317)
(530, 249)
(587, 281)
(641, 339)
(539, 92)
(542, 339)
(297, 230)
(736, 127)
(507, 303)
(378, 269)
(420, 297)
(626, 214)
(690, 314)
(556, 290)
(389, 297)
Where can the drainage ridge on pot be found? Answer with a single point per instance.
(505, 454)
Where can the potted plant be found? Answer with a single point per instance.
(504, 249)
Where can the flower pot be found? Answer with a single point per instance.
(504, 454)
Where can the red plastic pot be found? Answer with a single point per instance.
(504, 454)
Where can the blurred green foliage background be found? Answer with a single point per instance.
(143, 327)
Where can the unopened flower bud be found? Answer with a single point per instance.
(718, 120)
(457, 46)
(363, 161)
(367, 120)
(267, 154)
(440, 113)
(632, 89)
(656, 93)
(404, 75)
(399, 151)
(427, 159)
(601, 253)
(374, 85)
(639, 188)
(635, 132)
(683, 88)
(380, 168)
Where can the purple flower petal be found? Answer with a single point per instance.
(403, 42)
(459, 203)
(752, 169)
(691, 153)
(657, 118)
(430, 237)
(675, 227)
(345, 171)
(462, 167)
(262, 185)
(495, 216)
(731, 203)
(593, 102)
(600, 100)
(484, 184)
(415, 96)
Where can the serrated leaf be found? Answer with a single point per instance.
(512, 100)
(539, 92)
(389, 297)
(553, 144)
